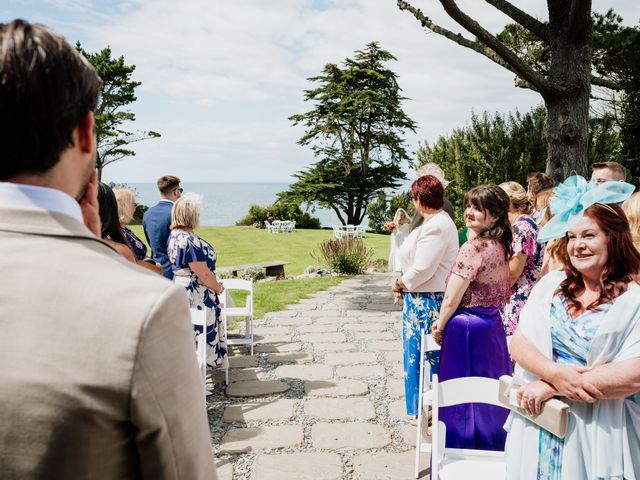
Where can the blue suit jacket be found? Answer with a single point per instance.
(156, 223)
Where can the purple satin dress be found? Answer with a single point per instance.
(475, 344)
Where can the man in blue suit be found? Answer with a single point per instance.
(157, 219)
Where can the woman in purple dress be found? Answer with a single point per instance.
(469, 327)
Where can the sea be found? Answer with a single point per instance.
(223, 204)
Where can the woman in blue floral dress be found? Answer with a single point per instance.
(426, 257)
(193, 262)
(526, 262)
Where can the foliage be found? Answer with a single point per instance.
(345, 255)
(140, 208)
(112, 114)
(354, 129)
(499, 148)
(249, 246)
(279, 210)
(254, 273)
(384, 208)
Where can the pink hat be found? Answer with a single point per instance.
(435, 170)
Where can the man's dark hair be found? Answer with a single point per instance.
(615, 167)
(167, 184)
(46, 88)
(538, 181)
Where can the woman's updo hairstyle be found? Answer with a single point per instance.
(492, 199)
(517, 197)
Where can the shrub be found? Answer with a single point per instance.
(279, 211)
(345, 255)
(254, 273)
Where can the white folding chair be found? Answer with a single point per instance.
(427, 344)
(461, 463)
(199, 319)
(338, 232)
(268, 226)
(230, 312)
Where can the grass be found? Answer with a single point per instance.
(241, 245)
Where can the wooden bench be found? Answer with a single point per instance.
(274, 268)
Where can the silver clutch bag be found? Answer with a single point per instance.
(553, 417)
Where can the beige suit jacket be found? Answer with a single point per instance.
(98, 374)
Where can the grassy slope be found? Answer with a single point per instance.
(239, 245)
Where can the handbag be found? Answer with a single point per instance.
(553, 416)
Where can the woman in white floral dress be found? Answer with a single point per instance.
(193, 262)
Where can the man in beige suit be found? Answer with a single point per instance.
(98, 374)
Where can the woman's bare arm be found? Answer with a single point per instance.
(516, 266)
(206, 277)
(616, 379)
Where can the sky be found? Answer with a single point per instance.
(221, 77)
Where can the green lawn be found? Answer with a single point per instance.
(240, 245)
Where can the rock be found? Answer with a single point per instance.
(340, 408)
(335, 388)
(360, 371)
(298, 466)
(245, 440)
(253, 388)
(349, 358)
(385, 466)
(281, 409)
(290, 357)
(305, 372)
(350, 436)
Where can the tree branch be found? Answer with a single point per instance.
(523, 69)
(605, 82)
(579, 19)
(477, 47)
(535, 26)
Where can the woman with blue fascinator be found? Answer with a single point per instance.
(579, 338)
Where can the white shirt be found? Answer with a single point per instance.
(428, 254)
(18, 195)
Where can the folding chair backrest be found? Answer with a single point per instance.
(199, 318)
(466, 390)
(240, 284)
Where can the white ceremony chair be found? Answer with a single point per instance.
(427, 344)
(338, 232)
(350, 230)
(460, 463)
(360, 230)
(270, 228)
(232, 312)
(199, 319)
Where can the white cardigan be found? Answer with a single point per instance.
(428, 254)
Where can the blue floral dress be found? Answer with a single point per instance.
(138, 247)
(183, 248)
(571, 342)
(420, 311)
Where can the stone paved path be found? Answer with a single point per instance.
(323, 396)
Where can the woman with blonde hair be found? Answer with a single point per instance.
(526, 262)
(126, 199)
(193, 262)
(401, 229)
(632, 210)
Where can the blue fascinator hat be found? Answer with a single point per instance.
(573, 196)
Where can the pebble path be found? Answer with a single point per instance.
(323, 396)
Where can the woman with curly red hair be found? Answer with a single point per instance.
(579, 338)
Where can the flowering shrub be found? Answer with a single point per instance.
(345, 255)
(254, 273)
(389, 226)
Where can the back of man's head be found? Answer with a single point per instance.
(46, 88)
(538, 181)
(167, 184)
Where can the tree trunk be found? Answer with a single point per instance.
(99, 168)
(568, 103)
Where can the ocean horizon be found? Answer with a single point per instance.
(223, 204)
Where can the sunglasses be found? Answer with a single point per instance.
(180, 189)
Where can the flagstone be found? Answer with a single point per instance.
(335, 388)
(385, 346)
(356, 435)
(281, 347)
(335, 347)
(293, 321)
(297, 466)
(395, 386)
(305, 372)
(245, 440)
(323, 328)
(384, 466)
(290, 357)
(340, 408)
(253, 388)
(374, 335)
(398, 409)
(280, 409)
(323, 337)
(242, 361)
(349, 358)
(364, 327)
(272, 339)
(360, 371)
